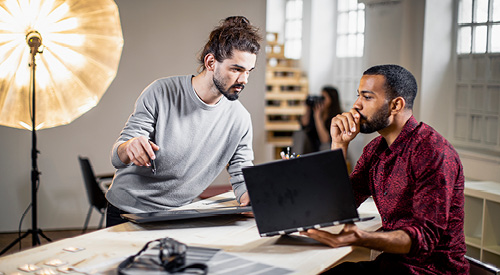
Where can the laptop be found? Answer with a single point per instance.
(172, 215)
(310, 191)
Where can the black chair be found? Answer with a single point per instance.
(479, 268)
(95, 193)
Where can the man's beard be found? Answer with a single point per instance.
(227, 93)
(378, 122)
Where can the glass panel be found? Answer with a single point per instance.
(293, 49)
(352, 21)
(460, 126)
(361, 44)
(479, 45)
(495, 38)
(462, 98)
(481, 13)
(294, 9)
(496, 10)
(464, 40)
(476, 125)
(351, 45)
(495, 69)
(477, 98)
(480, 64)
(491, 136)
(465, 68)
(342, 23)
(465, 11)
(361, 21)
(342, 46)
(342, 5)
(493, 100)
(353, 4)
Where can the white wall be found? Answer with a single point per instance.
(162, 38)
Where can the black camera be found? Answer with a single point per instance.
(312, 100)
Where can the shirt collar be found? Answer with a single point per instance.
(405, 134)
(400, 141)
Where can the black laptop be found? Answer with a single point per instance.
(182, 214)
(310, 191)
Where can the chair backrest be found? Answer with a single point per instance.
(95, 195)
(479, 268)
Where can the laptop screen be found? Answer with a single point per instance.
(301, 193)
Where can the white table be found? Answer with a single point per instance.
(235, 234)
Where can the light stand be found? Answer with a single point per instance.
(34, 40)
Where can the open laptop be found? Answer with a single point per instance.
(310, 191)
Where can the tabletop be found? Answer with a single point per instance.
(236, 236)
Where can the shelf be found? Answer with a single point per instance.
(491, 233)
(286, 81)
(476, 242)
(482, 221)
(493, 249)
(285, 96)
(473, 225)
(299, 110)
(473, 252)
(280, 141)
(286, 93)
(491, 258)
(282, 126)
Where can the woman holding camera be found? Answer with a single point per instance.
(316, 121)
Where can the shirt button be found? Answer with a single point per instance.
(385, 193)
(385, 219)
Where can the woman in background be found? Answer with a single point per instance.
(317, 119)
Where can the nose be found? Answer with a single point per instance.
(243, 78)
(357, 104)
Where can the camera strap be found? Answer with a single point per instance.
(173, 262)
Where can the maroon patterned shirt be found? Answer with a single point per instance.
(418, 186)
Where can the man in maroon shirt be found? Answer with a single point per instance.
(414, 175)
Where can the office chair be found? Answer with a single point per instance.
(95, 194)
(479, 268)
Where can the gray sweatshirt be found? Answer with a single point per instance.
(196, 142)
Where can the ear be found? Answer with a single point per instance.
(397, 105)
(209, 62)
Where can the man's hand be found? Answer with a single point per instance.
(397, 241)
(139, 150)
(348, 236)
(244, 199)
(345, 127)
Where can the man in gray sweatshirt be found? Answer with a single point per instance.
(186, 129)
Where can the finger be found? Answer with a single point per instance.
(144, 151)
(244, 199)
(345, 121)
(338, 124)
(154, 146)
(134, 154)
(320, 236)
(138, 151)
(354, 124)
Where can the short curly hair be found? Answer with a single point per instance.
(233, 33)
(398, 82)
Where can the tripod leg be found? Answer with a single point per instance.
(43, 235)
(16, 241)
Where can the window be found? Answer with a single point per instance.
(477, 91)
(293, 29)
(350, 28)
(349, 49)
